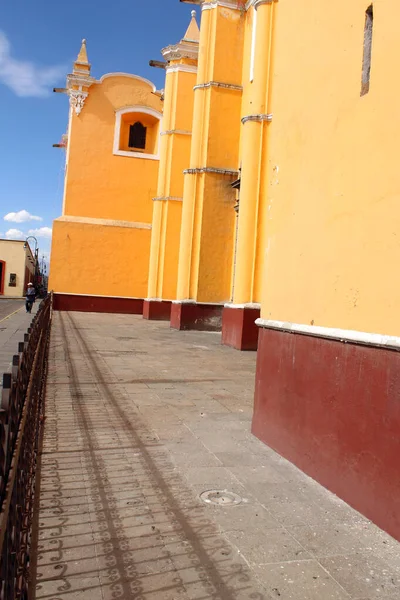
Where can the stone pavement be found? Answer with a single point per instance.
(14, 323)
(142, 419)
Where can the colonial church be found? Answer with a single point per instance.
(258, 194)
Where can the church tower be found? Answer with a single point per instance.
(181, 73)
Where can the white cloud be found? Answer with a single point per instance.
(21, 217)
(25, 78)
(15, 234)
(43, 232)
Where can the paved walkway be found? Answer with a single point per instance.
(142, 419)
(14, 323)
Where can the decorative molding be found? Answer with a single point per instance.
(257, 3)
(103, 222)
(168, 198)
(230, 172)
(117, 131)
(181, 69)
(233, 4)
(341, 335)
(77, 100)
(182, 50)
(129, 76)
(219, 84)
(258, 118)
(176, 132)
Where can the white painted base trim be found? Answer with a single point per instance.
(253, 305)
(341, 335)
(97, 295)
(157, 300)
(194, 302)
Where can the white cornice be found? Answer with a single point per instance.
(340, 335)
(181, 50)
(181, 69)
(223, 3)
(234, 4)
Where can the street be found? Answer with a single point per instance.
(8, 307)
(14, 322)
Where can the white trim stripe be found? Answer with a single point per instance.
(130, 76)
(102, 222)
(57, 292)
(181, 69)
(340, 335)
(249, 305)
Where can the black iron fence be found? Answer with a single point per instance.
(21, 417)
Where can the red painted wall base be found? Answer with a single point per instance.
(333, 409)
(157, 310)
(100, 304)
(239, 329)
(200, 317)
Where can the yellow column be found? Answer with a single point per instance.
(253, 129)
(158, 206)
(189, 193)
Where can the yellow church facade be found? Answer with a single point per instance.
(269, 211)
(101, 243)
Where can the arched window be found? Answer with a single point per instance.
(137, 136)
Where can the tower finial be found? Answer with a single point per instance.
(82, 56)
(192, 33)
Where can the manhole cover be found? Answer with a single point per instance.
(220, 497)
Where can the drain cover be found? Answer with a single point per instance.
(220, 497)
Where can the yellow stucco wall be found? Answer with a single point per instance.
(93, 257)
(99, 260)
(208, 216)
(16, 259)
(174, 158)
(333, 223)
(100, 184)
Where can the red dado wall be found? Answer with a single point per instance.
(102, 304)
(333, 409)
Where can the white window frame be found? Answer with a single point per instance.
(144, 110)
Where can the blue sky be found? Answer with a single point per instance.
(38, 43)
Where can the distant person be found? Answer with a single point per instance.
(30, 297)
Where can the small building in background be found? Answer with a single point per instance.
(17, 267)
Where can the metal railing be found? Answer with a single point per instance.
(21, 418)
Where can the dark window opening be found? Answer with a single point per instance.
(13, 280)
(137, 136)
(368, 31)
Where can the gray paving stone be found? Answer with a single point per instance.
(134, 433)
(300, 580)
